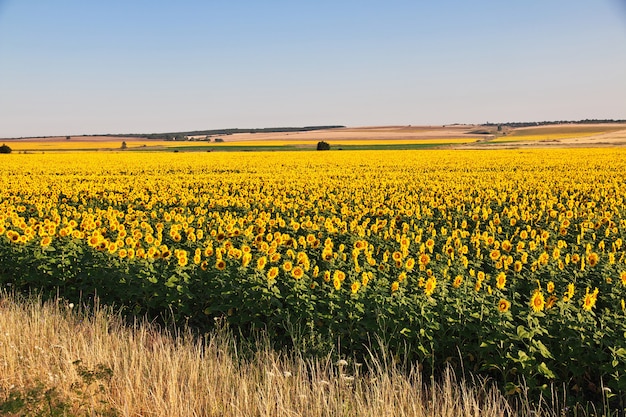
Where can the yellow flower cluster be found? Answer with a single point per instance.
(422, 221)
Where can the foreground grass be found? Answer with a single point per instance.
(57, 360)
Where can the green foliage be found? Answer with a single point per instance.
(5, 148)
(323, 146)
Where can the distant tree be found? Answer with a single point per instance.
(323, 146)
(5, 149)
(219, 140)
(124, 146)
(68, 137)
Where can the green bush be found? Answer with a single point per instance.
(323, 146)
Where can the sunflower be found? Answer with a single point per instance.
(394, 286)
(355, 287)
(457, 281)
(365, 279)
(424, 259)
(593, 259)
(590, 299)
(537, 301)
(622, 277)
(550, 287)
(112, 247)
(220, 265)
(272, 273)
(340, 275)
(261, 262)
(46, 241)
(297, 272)
(551, 300)
(503, 306)
(429, 288)
(336, 283)
(501, 280)
(410, 263)
(94, 240)
(360, 244)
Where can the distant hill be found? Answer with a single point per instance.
(558, 122)
(220, 132)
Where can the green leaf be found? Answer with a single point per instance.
(545, 371)
(621, 352)
(522, 333)
(543, 350)
(511, 388)
(171, 282)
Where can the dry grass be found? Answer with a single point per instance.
(141, 371)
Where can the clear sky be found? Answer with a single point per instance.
(71, 67)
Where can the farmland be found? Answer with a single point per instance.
(350, 138)
(508, 263)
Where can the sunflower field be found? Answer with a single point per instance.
(508, 263)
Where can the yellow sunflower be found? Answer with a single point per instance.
(503, 306)
(501, 280)
(590, 299)
(429, 288)
(457, 281)
(537, 302)
(297, 272)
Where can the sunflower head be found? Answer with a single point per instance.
(503, 306)
(537, 302)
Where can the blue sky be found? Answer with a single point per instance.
(70, 67)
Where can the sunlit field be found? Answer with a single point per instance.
(505, 264)
(198, 145)
(543, 137)
(557, 132)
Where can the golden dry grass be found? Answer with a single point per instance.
(155, 373)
